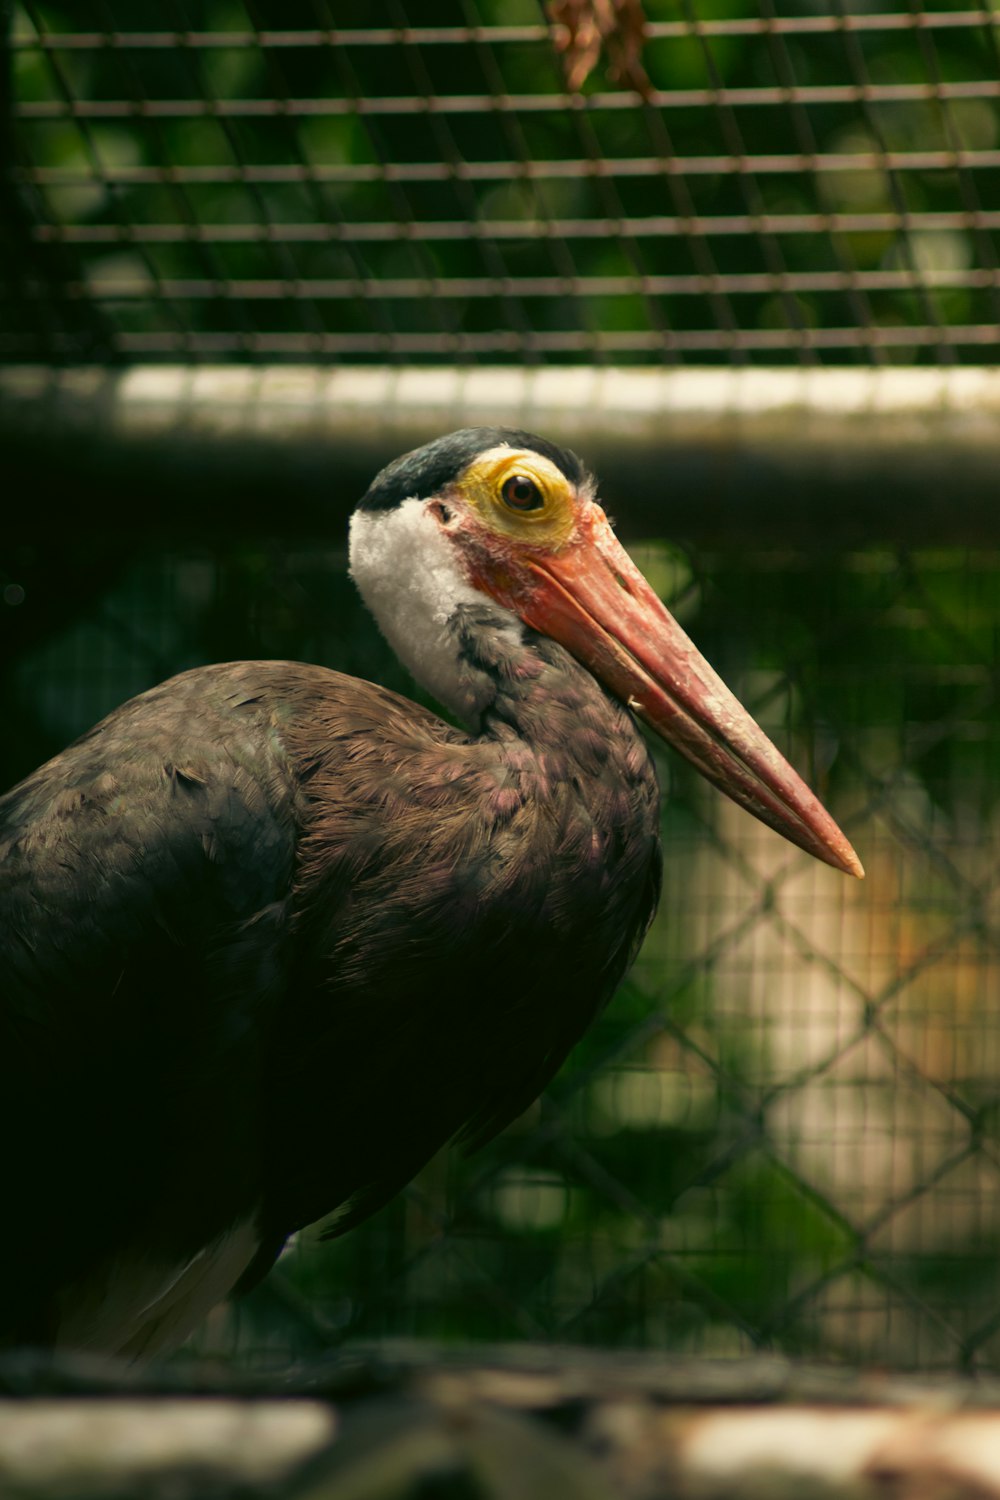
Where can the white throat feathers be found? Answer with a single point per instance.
(407, 573)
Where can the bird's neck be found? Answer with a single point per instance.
(527, 688)
(478, 656)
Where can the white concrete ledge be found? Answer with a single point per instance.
(179, 1447)
(861, 453)
(584, 398)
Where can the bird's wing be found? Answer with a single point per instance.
(142, 880)
(455, 936)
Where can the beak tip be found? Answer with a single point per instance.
(848, 862)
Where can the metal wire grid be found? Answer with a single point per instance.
(219, 177)
(785, 1136)
(784, 1131)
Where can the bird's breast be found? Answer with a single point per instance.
(464, 906)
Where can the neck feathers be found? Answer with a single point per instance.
(410, 579)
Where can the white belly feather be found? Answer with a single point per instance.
(137, 1307)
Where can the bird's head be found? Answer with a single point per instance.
(494, 517)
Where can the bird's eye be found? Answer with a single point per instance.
(522, 493)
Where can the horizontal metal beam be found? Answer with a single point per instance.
(432, 231)
(754, 96)
(130, 287)
(77, 174)
(805, 456)
(436, 36)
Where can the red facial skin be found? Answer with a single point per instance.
(588, 595)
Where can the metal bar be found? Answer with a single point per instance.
(86, 41)
(505, 171)
(661, 226)
(435, 346)
(480, 104)
(408, 288)
(719, 455)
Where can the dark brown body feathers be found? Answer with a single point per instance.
(272, 935)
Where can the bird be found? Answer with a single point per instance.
(271, 936)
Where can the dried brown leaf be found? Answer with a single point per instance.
(584, 29)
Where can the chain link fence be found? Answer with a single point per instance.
(785, 1131)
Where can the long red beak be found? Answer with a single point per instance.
(592, 598)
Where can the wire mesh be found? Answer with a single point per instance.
(217, 178)
(784, 1131)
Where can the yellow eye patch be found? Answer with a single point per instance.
(520, 494)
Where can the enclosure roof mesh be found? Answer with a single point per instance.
(783, 180)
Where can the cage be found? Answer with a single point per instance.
(747, 266)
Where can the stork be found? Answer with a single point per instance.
(270, 936)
